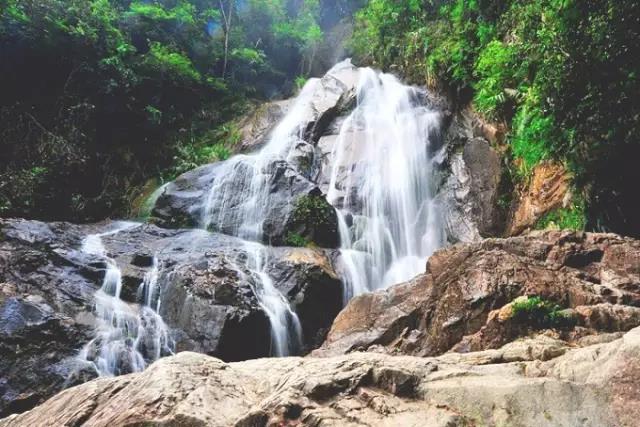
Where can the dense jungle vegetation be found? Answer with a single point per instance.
(101, 100)
(97, 97)
(562, 74)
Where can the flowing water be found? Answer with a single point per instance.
(243, 217)
(379, 176)
(388, 221)
(381, 183)
(286, 331)
(129, 336)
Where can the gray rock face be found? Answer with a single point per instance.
(469, 194)
(219, 196)
(46, 296)
(538, 382)
(207, 297)
(256, 127)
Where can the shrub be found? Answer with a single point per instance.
(314, 219)
(571, 218)
(536, 312)
(295, 239)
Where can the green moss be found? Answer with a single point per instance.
(313, 211)
(313, 219)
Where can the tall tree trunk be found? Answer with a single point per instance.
(226, 17)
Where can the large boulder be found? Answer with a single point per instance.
(539, 382)
(463, 299)
(223, 196)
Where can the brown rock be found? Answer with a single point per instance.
(461, 301)
(548, 190)
(258, 124)
(528, 383)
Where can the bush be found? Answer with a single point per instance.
(571, 218)
(295, 239)
(536, 312)
(314, 220)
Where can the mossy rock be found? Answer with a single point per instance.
(314, 221)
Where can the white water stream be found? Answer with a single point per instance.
(250, 174)
(382, 168)
(381, 182)
(129, 336)
(389, 223)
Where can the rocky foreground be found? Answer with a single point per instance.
(513, 386)
(537, 330)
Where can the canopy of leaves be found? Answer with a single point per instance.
(98, 96)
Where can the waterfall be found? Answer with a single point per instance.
(128, 335)
(382, 170)
(286, 331)
(379, 176)
(243, 216)
(250, 175)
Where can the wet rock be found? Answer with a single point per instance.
(469, 194)
(308, 278)
(207, 297)
(45, 286)
(548, 385)
(208, 294)
(334, 94)
(186, 199)
(181, 203)
(462, 300)
(222, 190)
(258, 124)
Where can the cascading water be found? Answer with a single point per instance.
(250, 174)
(286, 331)
(128, 335)
(382, 184)
(223, 211)
(380, 181)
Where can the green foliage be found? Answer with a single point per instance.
(170, 62)
(530, 137)
(538, 313)
(107, 94)
(183, 12)
(295, 239)
(570, 218)
(563, 73)
(494, 71)
(313, 218)
(300, 82)
(313, 211)
(212, 146)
